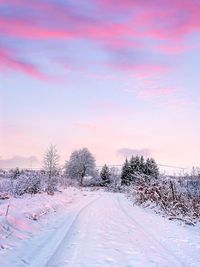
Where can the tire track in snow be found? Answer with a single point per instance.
(51, 262)
(172, 259)
(113, 222)
(41, 249)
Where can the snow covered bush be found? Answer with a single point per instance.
(5, 186)
(27, 184)
(177, 198)
(14, 173)
(26, 181)
(65, 182)
(115, 180)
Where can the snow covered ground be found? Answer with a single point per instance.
(85, 229)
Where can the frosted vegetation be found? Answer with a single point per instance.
(176, 197)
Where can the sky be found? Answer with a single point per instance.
(118, 77)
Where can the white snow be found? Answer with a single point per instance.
(85, 229)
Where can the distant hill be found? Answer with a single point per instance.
(20, 162)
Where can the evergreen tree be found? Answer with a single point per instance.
(137, 166)
(147, 167)
(132, 164)
(151, 168)
(105, 175)
(126, 174)
(154, 168)
(142, 165)
(134, 167)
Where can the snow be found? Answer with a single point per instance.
(84, 229)
(29, 214)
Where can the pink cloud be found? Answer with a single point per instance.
(161, 19)
(178, 103)
(158, 19)
(174, 48)
(85, 125)
(30, 30)
(151, 88)
(9, 61)
(163, 96)
(150, 69)
(109, 107)
(144, 70)
(169, 20)
(116, 44)
(156, 92)
(132, 24)
(166, 98)
(98, 75)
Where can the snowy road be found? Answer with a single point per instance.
(105, 230)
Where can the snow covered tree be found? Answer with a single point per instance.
(80, 164)
(137, 163)
(138, 167)
(135, 168)
(105, 175)
(142, 165)
(151, 168)
(50, 165)
(126, 174)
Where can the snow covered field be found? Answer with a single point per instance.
(85, 229)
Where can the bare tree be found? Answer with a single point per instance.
(80, 164)
(51, 166)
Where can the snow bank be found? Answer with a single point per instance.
(27, 215)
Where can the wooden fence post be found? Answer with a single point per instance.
(7, 210)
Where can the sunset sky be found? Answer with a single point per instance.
(117, 76)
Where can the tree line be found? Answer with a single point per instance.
(80, 168)
(82, 164)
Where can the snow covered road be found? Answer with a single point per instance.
(104, 235)
(104, 229)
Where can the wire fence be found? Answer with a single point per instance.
(164, 168)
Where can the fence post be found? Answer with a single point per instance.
(172, 188)
(7, 210)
